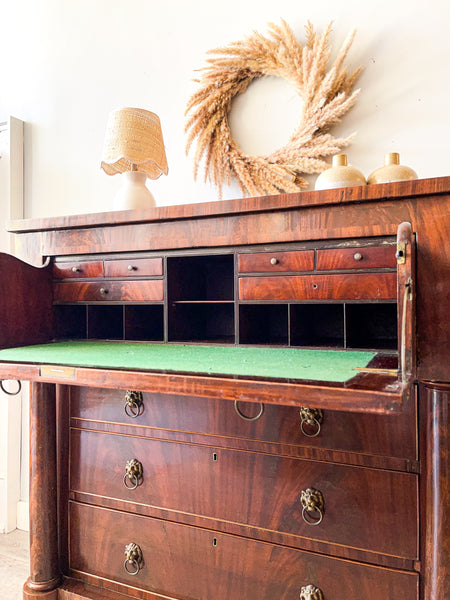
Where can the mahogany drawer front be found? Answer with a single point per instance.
(383, 435)
(181, 561)
(369, 257)
(360, 504)
(71, 269)
(110, 291)
(268, 262)
(351, 286)
(134, 267)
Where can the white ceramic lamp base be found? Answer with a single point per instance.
(133, 193)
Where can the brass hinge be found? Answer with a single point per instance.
(400, 255)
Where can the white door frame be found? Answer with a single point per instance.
(11, 207)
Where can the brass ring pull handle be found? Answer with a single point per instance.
(134, 474)
(134, 560)
(310, 421)
(134, 404)
(311, 592)
(313, 506)
(19, 384)
(45, 263)
(241, 414)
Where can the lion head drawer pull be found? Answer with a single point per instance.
(313, 506)
(134, 559)
(134, 474)
(310, 421)
(311, 592)
(134, 404)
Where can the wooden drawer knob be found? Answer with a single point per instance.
(310, 421)
(311, 592)
(134, 560)
(313, 506)
(134, 474)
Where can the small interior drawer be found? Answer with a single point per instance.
(267, 262)
(368, 257)
(181, 561)
(77, 269)
(345, 286)
(109, 291)
(134, 267)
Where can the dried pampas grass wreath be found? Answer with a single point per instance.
(326, 94)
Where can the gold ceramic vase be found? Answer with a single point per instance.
(392, 171)
(340, 174)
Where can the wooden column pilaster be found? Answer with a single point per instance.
(44, 561)
(435, 401)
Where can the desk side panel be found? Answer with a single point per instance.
(26, 303)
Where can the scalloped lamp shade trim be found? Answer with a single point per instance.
(134, 142)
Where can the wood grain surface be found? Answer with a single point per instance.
(206, 564)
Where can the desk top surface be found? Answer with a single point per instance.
(261, 204)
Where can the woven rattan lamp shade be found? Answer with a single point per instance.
(134, 142)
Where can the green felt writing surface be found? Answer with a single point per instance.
(279, 363)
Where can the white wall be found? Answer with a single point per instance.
(12, 418)
(66, 63)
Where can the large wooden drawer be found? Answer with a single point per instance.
(370, 509)
(382, 435)
(109, 291)
(343, 286)
(180, 561)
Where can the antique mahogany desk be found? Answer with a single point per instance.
(240, 400)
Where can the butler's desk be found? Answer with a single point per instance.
(241, 399)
